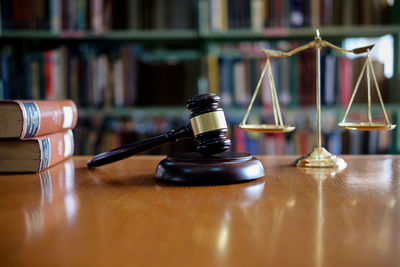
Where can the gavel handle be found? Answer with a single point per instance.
(140, 146)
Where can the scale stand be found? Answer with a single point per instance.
(319, 157)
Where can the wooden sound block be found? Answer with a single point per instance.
(194, 168)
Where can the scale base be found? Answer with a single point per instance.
(321, 158)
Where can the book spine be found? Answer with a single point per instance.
(48, 74)
(265, 89)
(97, 16)
(330, 81)
(81, 11)
(55, 148)
(219, 15)
(315, 13)
(203, 19)
(225, 81)
(5, 73)
(293, 81)
(240, 83)
(45, 117)
(118, 83)
(213, 74)
(395, 146)
(345, 81)
(257, 15)
(55, 16)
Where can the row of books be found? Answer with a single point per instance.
(116, 132)
(260, 14)
(98, 16)
(303, 139)
(234, 73)
(35, 135)
(302, 142)
(90, 78)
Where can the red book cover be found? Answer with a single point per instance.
(280, 144)
(345, 68)
(303, 142)
(240, 139)
(54, 148)
(48, 75)
(35, 154)
(22, 14)
(36, 117)
(306, 76)
(266, 98)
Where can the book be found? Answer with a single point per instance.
(240, 93)
(35, 154)
(315, 13)
(257, 15)
(225, 81)
(29, 118)
(345, 81)
(213, 74)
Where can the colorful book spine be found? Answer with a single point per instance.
(346, 81)
(52, 148)
(45, 117)
(213, 74)
(55, 148)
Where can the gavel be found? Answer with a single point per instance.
(207, 126)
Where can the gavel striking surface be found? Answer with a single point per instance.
(193, 168)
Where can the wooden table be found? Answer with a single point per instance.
(119, 215)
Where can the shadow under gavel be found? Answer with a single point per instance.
(207, 126)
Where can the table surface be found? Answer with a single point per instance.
(119, 214)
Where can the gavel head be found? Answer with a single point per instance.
(208, 124)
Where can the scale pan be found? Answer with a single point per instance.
(366, 126)
(267, 128)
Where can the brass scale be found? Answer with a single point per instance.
(319, 156)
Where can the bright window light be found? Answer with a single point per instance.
(382, 51)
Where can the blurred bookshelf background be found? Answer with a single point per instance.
(131, 66)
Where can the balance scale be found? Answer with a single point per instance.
(319, 156)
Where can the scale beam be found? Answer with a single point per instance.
(280, 54)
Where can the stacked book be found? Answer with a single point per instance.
(35, 135)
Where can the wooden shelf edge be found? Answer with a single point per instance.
(117, 35)
(305, 32)
(194, 35)
(127, 112)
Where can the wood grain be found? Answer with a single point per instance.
(118, 215)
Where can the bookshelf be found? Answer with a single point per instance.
(174, 54)
(115, 35)
(334, 32)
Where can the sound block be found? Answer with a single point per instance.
(194, 168)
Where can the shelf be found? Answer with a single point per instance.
(170, 55)
(166, 35)
(129, 112)
(118, 35)
(193, 35)
(307, 32)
